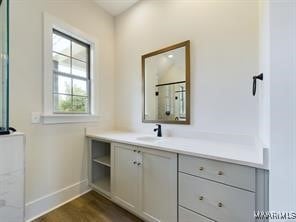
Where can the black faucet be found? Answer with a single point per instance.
(158, 129)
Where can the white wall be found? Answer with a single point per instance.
(56, 154)
(283, 105)
(263, 87)
(224, 56)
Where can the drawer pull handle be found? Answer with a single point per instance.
(139, 164)
(139, 151)
(135, 151)
(201, 198)
(220, 173)
(201, 168)
(220, 204)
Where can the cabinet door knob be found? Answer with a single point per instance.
(135, 162)
(220, 173)
(139, 151)
(220, 204)
(201, 168)
(135, 150)
(201, 197)
(139, 163)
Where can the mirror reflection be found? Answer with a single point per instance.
(166, 79)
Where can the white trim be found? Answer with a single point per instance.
(45, 204)
(50, 23)
(68, 118)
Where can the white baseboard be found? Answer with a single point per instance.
(45, 204)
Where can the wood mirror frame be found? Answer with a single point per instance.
(185, 44)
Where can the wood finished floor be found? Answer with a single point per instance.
(91, 207)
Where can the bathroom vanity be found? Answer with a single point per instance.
(177, 179)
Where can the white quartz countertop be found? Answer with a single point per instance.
(248, 155)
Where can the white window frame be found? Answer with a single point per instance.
(49, 117)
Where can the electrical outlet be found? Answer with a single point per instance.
(36, 118)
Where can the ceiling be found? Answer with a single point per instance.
(115, 7)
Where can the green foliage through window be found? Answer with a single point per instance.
(73, 103)
(71, 74)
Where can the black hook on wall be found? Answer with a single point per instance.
(260, 77)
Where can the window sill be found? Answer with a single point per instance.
(68, 118)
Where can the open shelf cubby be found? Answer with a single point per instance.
(104, 160)
(100, 166)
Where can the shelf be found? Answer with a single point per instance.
(102, 185)
(105, 160)
(100, 167)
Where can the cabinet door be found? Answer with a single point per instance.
(158, 185)
(125, 176)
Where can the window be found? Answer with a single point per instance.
(70, 86)
(71, 74)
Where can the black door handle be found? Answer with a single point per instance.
(260, 77)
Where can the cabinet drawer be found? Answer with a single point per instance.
(189, 216)
(217, 201)
(231, 174)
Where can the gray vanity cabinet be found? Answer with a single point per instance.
(161, 186)
(144, 181)
(158, 185)
(124, 180)
(215, 200)
(218, 191)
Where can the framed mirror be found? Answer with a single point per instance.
(166, 85)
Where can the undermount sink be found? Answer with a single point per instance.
(149, 139)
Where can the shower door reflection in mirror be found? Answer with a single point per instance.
(166, 82)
